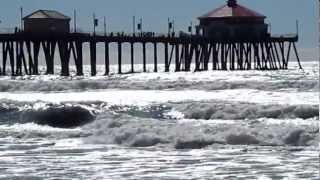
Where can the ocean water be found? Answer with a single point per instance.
(204, 125)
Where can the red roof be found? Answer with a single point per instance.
(235, 11)
(46, 14)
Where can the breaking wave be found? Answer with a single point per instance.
(35, 131)
(152, 84)
(157, 125)
(130, 131)
(240, 110)
(54, 115)
(75, 114)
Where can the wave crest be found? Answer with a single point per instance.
(57, 85)
(137, 132)
(238, 110)
(54, 115)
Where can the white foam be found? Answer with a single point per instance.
(33, 127)
(144, 97)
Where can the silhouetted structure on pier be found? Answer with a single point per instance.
(233, 21)
(233, 38)
(46, 22)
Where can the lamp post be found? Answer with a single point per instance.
(21, 17)
(190, 28)
(105, 25)
(297, 27)
(95, 23)
(134, 25)
(75, 20)
(170, 27)
(141, 25)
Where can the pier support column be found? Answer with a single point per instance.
(4, 57)
(186, 56)
(64, 53)
(166, 57)
(1, 43)
(49, 50)
(283, 63)
(190, 56)
(28, 44)
(79, 61)
(18, 59)
(270, 56)
(255, 56)
(248, 56)
(144, 57)
(132, 56)
(52, 51)
(155, 55)
(11, 56)
(73, 49)
(36, 49)
(215, 51)
(275, 60)
(263, 57)
(223, 57)
(197, 58)
(119, 57)
(8, 50)
(288, 55)
(177, 58)
(1, 59)
(106, 58)
(23, 58)
(232, 56)
(202, 51)
(93, 58)
(275, 49)
(207, 52)
(297, 55)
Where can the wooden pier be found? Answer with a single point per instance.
(20, 52)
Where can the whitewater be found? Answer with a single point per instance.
(175, 125)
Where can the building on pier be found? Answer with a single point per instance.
(233, 21)
(46, 21)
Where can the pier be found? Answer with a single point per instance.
(20, 50)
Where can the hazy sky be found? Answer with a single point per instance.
(282, 14)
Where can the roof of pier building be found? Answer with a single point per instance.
(232, 10)
(46, 14)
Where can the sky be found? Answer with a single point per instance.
(282, 14)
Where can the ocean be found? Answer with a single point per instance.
(177, 125)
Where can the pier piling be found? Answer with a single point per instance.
(93, 57)
(155, 55)
(107, 58)
(119, 58)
